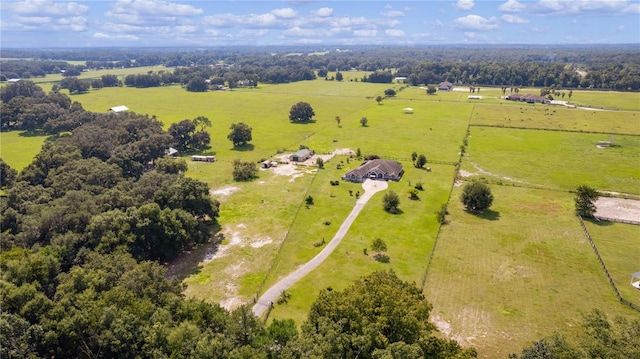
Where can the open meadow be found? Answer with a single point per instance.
(497, 280)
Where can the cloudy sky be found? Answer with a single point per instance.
(136, 23)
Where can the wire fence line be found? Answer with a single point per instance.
(604, 267)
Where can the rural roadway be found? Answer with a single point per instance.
(263, 303)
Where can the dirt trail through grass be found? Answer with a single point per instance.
(271, 295)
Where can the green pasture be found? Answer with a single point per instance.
(409, 236)
(92, 74)
(499, 280)
(613, 100)
(515, 273)
(556, 160)
(618, 245)
(18, 148)
(523, 115)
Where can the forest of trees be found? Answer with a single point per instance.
(601, 67)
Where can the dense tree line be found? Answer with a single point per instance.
(30, 68)
(603, 67)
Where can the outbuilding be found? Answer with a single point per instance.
(301, 155)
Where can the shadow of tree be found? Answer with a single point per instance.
(243, 148)
(487, 214)
(188, 262)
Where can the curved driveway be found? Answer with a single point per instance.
(270, 296)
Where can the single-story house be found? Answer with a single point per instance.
(302, 155)
(118, 109)
(528, 98)
(445, 86)
(375, 169)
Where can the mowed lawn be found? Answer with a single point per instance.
(516, 273)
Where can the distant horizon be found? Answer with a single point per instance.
(28, 24)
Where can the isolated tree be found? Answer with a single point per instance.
(320, 163)
(244, 171)
(391, 201)
(422, 160)
(338, 120)
(301, 112)
(585, 201)
(570, 94)
(378, 245)
(390, 92)
(414, 156)
(322, 72)
(339, 76)
(364, 121)
(202, 122)
(431, 90)
(476, 196)
(240, 134)
(379, 99)
(182, 133)
(308, 200)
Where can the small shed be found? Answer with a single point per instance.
(171, 151)
(12, 81)
(118, 109)
(445, 86)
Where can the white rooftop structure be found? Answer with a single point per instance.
(120, 108)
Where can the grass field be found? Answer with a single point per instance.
(497, 281)
(517, 273)
(18, 149)
(618, 245)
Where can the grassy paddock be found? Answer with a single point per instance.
(557, 160)
(522, 115)
(515, 273)
(618, 245)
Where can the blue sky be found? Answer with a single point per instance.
(152, 23)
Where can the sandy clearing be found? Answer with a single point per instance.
(224, 191)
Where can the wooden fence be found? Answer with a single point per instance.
(606, 271)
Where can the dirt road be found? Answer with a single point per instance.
(271, 295)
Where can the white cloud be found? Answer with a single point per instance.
(476, 22)
(286, 13)
(513, 19)
(268, 20)
(186, 29)
(620, 28)
(154, 8)
(33, 20)
(392, 13)
(365, 33)
(511, 6)
(464, 5)
(632, 9)
(602, 7)
(324, 12)
(44, 7)
(395, 33)
(103, 36)
(75, 23)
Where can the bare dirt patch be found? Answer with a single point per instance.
(618, 208)
(224, 191)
